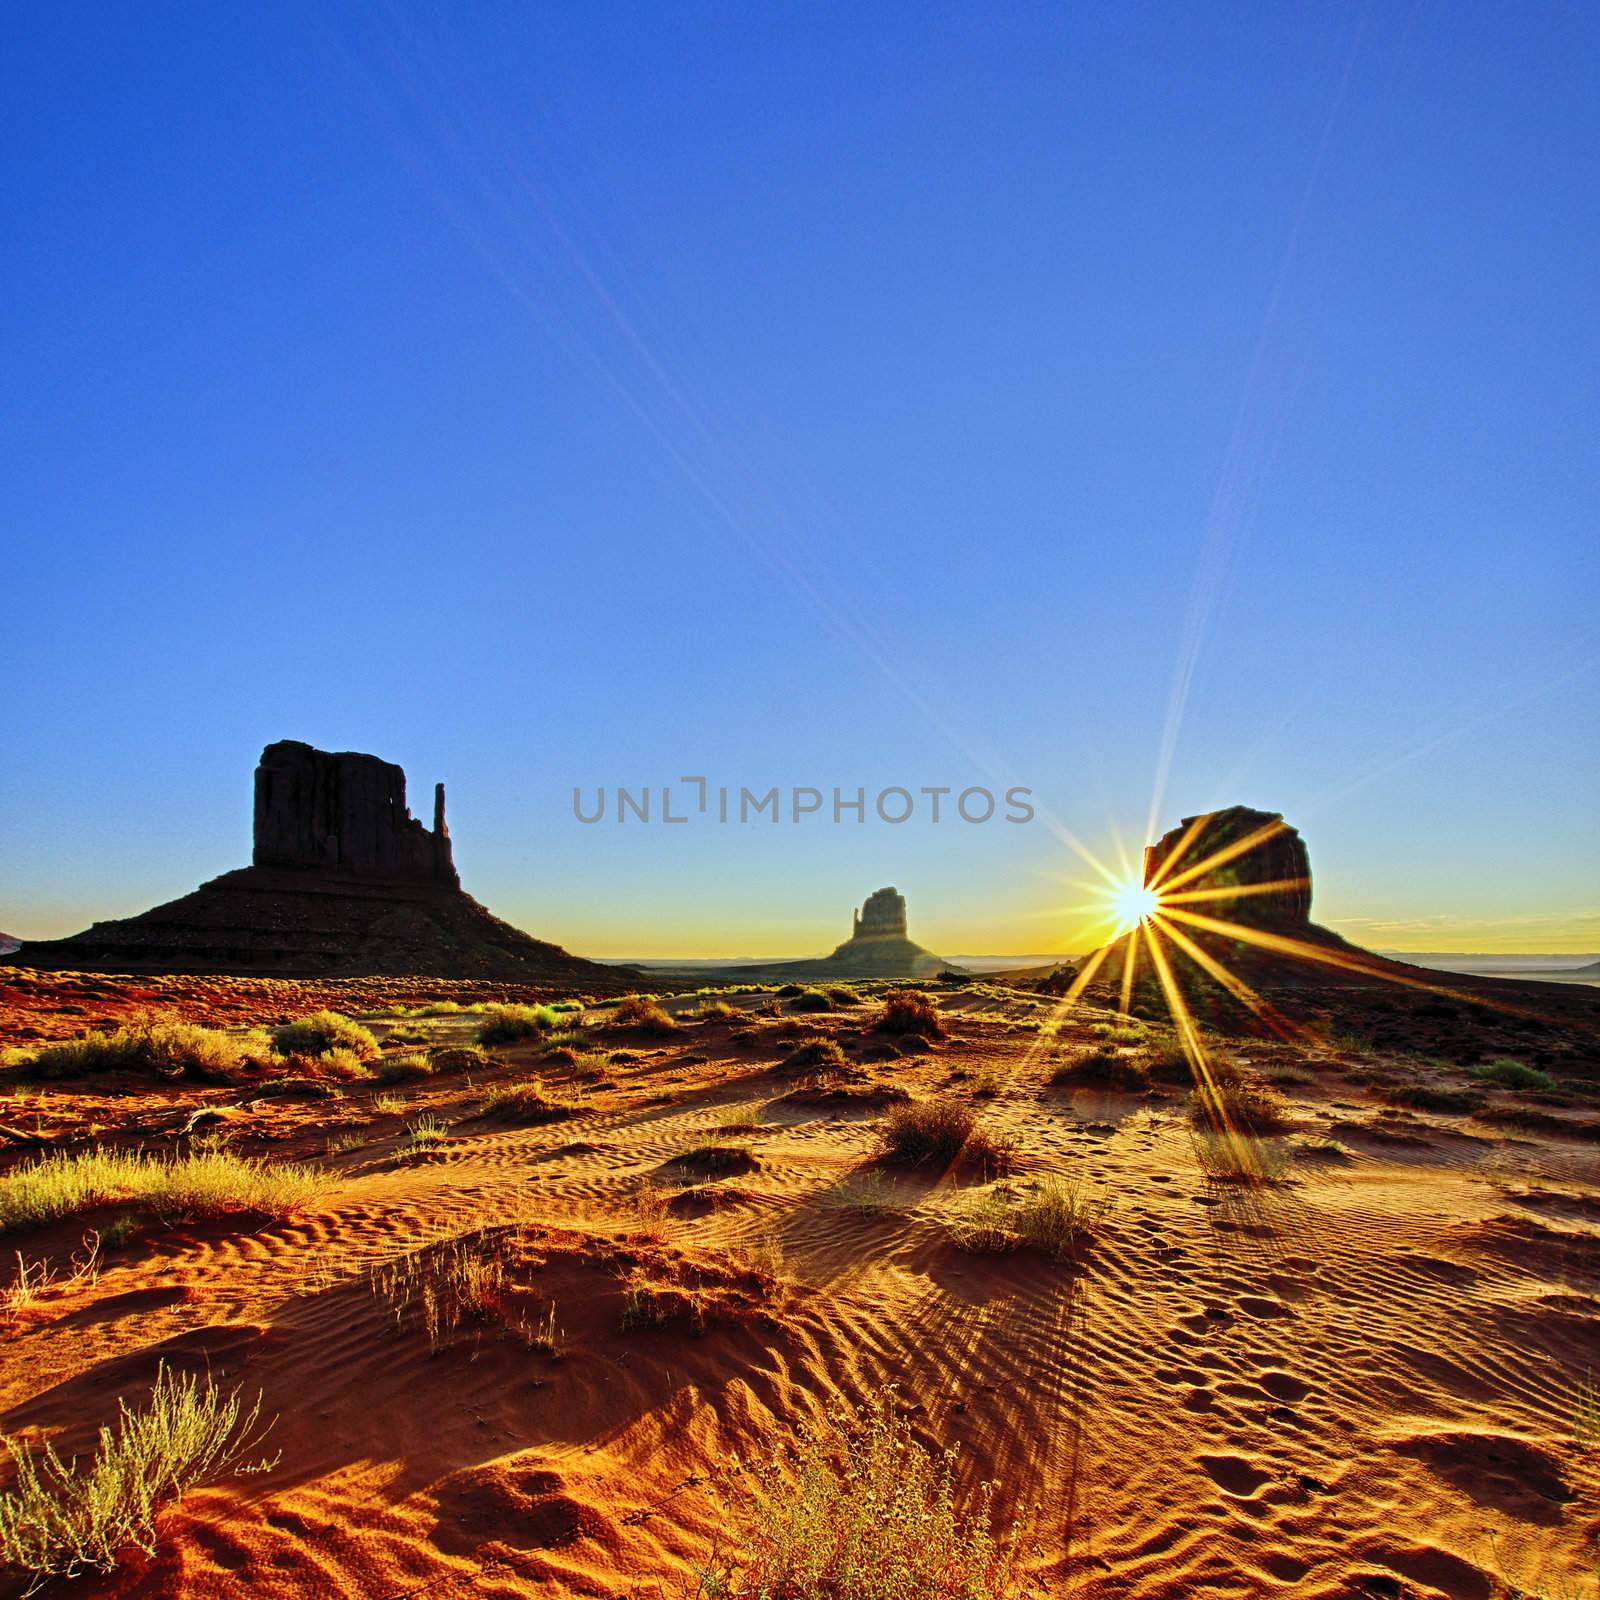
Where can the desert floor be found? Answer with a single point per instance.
(1369, 1376)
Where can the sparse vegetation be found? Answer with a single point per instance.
(811, 1000)
(642, 1015)
(1102, 1065)
(1239, 1104)
(403, 1068)
(1505, 1073)
(819, 1056)
(944, 1130)
(202, 1183)
(321, 1032)
(525, 1101)
(165, 1049)
(507, 1024)
(58, 1519)
(860, 1508)
(1055, 1215)
(424, 1134)
(907, 1011)
(1235, 1157)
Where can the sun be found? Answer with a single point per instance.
(1133, 902)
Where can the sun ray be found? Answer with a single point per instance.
(1221, 857)
(1234, 891)
(1263, 1008)
(1197, 826)
(1130, 962)
(1326, 955)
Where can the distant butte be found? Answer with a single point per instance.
(879, 946)
(344, 882)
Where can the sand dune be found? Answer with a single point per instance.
(1361, 1379)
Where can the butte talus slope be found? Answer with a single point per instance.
(343, 881)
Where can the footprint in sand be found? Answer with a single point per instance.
(1258, 1305)
(1283, 1386)
(1234, 1476)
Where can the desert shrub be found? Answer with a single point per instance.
(321, 1032)
(910, 1011)
(1434, 1097)
(404, 1068)
(167, 1049)
(815, 1055)
(524, 1101)
(424, 1134)
(339, 1062)
(459, 1058)
(443, 1287)
(203, 1183)
(860, 1508)
(58, 1519)
(1166, 1061)
(1231, 1157)
(296, 1086)
(844, 997)
(1055, 1215)
(941, 1130)
(1103, 1065)
(1243, 1104)
(717, 1011)
(507, 1024)
(720, 1158)
(643, 1016)
(811, 1000)
(788, 991)
(1505, 1073)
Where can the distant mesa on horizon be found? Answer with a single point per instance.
(344, 882)
(8, 944)
(879, 946)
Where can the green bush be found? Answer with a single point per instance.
(59, 1520)
(167, 1049)
(860, 1510)
(322, 1032)
(1505, 1073)
(507, 1024)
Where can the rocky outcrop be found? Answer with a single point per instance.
(344, 882)
(345, 812)
(1237, 851)
(882, 916)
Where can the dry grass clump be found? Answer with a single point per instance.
(942, 1130)
(1232, 1157)
(1056, 1215)
(404, 1068)
(459, 1058)
(202, 1183)
(322, 1032)
(720, 1159)
(507, 1024)
(59, 1520)
(718, 1011)
(1100, 1064)
(1166, 1061)
(448, 1287)
(860, 1508)
(525, 1101)
(167, 1049)
(811, 1000)
(1240, 1104)
(1505, 1073)
(909, 1011)
(644, 1016)
(662, 1285)
(815, 1055)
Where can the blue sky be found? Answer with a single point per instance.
(816, 395)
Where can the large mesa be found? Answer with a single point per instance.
(344, 882)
